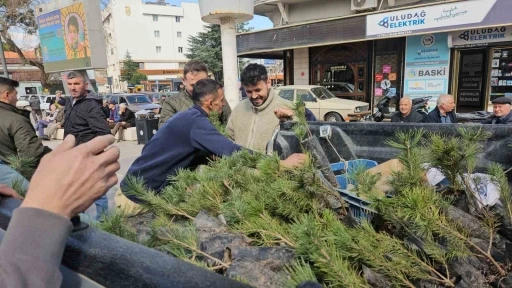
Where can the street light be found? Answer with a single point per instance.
(227, 13)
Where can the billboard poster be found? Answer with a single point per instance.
(64, 38)
(427, 66)
(481, 36)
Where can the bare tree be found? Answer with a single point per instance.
(19, 16)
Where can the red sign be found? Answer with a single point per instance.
(301, 73)
(379, 77)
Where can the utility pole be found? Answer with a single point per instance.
(2, 55)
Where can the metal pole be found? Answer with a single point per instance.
(2, 55)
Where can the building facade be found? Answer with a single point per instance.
(404, 47)
(155, 34)
(28, 76)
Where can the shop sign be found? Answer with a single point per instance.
(481, 37)
(339, 68)
(431, 18)
(427, 63)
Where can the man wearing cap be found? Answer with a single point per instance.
(502, 111)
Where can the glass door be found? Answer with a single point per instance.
(471, 93)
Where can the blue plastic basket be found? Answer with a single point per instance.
(342, 179)
(358, 207)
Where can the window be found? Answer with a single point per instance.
(122, 100)
(111, 51)
(157, 34)
(178, 19)
(286, 94)
(179, 34)
(155, 18)
(141, 66)
(180, 49)
(158, 49)
(305, 96)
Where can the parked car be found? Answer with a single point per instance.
(48, 100)
(135, 101)
(324, 104)
(23, 102)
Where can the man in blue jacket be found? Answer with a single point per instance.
(186, 141)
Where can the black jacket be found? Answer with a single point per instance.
(435, 116)
(106, 111)
(85, 119)
(129, 117)
(413, 117)
(495, 120)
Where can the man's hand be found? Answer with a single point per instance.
(295, 160)
(9, 192)
(283, 113)
(110, 121)
(59, 126)
(89, 171)
(123, 123)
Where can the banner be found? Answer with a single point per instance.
(427, 66)
(429, 18)
(481, 37)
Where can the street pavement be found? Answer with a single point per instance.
(130, 150)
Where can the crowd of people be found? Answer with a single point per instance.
(444, 113)
(186, 139)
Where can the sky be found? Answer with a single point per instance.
(258, 22)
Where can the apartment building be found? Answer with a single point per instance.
(155, 34)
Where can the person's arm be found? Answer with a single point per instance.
(27, 142)
(204, 136)
(309, 115)
(96, 121)
(32, 249)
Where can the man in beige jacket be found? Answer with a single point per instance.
(253, 121)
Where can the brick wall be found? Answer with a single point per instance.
(301, 66)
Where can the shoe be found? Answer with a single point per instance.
(44, 138)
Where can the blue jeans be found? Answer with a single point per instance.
(41, 124)
(9, 175)
(101, 206)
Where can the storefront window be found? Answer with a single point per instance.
(501, 73)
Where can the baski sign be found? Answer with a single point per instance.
(430, 72)
(481, 37)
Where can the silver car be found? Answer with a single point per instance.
(135, 102)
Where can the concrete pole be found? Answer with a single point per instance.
(229, 60)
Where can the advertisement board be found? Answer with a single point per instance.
(481, 37)
(69, 36)
(427, 66)
(434, 18)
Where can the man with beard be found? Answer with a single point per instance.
(192, 72)
(254, 120)
(85, 119)
(187, 141)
